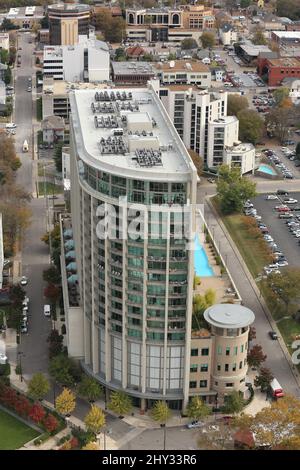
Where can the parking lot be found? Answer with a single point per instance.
(284, 158)
(278, 228)
(247, 79)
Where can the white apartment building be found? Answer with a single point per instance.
(4, 41)
(191, 72)
(228, 34)
(86, 61)
(200, 118)
(136, 293)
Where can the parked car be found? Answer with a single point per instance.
(273, 335)
(194, 424)
(24, 281)
(271, 197)
(282, 192)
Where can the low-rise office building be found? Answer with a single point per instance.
(86, 61)
(180, 72)
(132, 73)
(277, 69)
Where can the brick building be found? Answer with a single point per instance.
(276, 70)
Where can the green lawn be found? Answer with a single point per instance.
(13, 433)
(50, 189)
(289, 328)
(253, 250)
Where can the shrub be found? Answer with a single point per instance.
(4, 370)
(50, 423)
(74, 443)
(37, 413)
(66, 446)
(64, 439)
(42, 438)
(84, 437)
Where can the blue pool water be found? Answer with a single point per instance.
(267, 169)
(201, 264)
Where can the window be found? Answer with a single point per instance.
(229, 384)
(204, 352)
(219, 367)
(194, 368)
(204, 367)
(241, 364)
(219, 350)
(227, 351)
(203, 383)
(226, 367)
(235, 351)
(234, 367)
(194, 352)
(216, 383)
(193, 384)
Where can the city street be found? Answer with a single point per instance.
(35, 254)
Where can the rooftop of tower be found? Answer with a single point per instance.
(125, 131)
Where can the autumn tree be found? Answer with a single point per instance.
(60, 370)
(50, 423)
(235, 104)
(197, 409)
(91, 446)
(37, 413)
(258, 37)
(120, 403)
(65, 402)
(95, 419)
(208, 39)
(38, 386)
(277, 425)
(263, 379)
(233, 190)
(188, 43)
(252, 333)
(256, 356)
(280, 94)
(279, 120)
(52, 275)
(251, 126)
(55, 341)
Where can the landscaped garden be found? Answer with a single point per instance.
(13, 433)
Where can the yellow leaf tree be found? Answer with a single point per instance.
(95, 419)
(91, 446)
(277, 426)
(65, 402)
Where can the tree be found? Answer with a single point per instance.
(7, 25)
(279, 119)
(289, 8)
(197, 160)
(58, 156)
(286, 286)
(59, 370)
(277, 425)
(89, 388)
(120, 403)
(52, 293)
(189, 43)
(234, 403)
(233, 190)
(37, 413)
(263, 379)
(245, 3)
(4, 56)
(256, 356)
(280, 94)
(250, 126)
(50, 423)
(161, 413)
(252, 333)
(7, 76)
(55, 341)
(22, 406)
(95, 419)
(235, 104)
(208, 39)
(55, 237)
(52, 275)
(259, 37)
(197, 409)
(38, 386)
(91, 446)
(65, 402)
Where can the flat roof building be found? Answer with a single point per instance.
(132, 73)
(277, 69)
(184, 72)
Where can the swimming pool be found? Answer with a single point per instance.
(267, 169)
(201, 264)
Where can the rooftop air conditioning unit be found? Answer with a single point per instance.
(172, 64)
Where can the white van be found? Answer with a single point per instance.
(25, 146)
(47, 310)
(10, 125)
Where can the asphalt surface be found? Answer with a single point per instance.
(278, 228)
(35, 254)
(276, 359)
